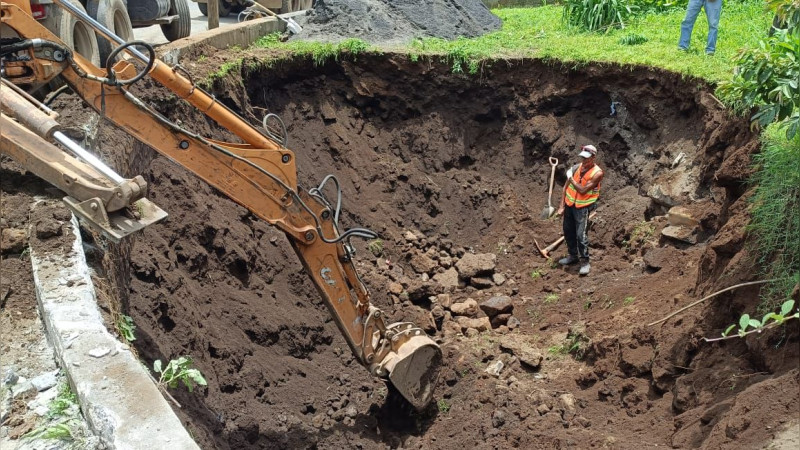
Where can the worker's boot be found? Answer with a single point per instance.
(585, 267)
(568, 261)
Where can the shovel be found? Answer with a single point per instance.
(291, 25)
(549, 210)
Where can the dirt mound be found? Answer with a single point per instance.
(396, 21)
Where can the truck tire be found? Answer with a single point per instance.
(74, 33)
(113, 14)
(180, 27)
(224, 8)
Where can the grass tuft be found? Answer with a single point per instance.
(775, 214)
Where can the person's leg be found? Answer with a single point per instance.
(583, 239)
(570, 236)
(713, 12)
(692, 10)
(581, 232)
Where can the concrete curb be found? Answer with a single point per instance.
(119, 400)
(242, 34)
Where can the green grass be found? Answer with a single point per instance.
(775, 214)
(63, 401)
(551, 298)
(539, 33)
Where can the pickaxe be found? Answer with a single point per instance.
(545, 252)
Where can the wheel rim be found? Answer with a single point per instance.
(120, 25)
(83, 39)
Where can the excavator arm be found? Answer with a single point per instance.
(259, 174)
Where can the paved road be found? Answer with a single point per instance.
(153, 33)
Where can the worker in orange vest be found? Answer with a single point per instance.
(580, 198)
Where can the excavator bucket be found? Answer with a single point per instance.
(414, 369)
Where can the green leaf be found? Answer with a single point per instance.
(157, 366)
(787, 307)
(743, 322)
(754, 323)
(728, 330)
(195, 375)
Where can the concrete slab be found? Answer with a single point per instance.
(119, 400)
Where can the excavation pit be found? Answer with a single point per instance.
(444, 165)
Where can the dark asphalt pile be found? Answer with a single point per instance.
(396, 22)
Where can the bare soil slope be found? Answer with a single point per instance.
(444, 166)
(460, 163)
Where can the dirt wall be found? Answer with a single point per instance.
(460, 163)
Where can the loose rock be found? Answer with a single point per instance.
(481, 324)
(481, 282)
(13, 240)
(498, 418)
(497, 305)
(495, 368)
(500, 320)
(465, 308)
(45, 381)
(476, 264)
(447, 279)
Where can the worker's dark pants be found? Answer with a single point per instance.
(576, 228)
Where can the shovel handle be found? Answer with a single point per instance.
(553, 164)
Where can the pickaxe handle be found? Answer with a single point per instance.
(553, 246)
(541, 252)
(545, 252)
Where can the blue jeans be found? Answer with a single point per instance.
(576, 228)
(713, 11)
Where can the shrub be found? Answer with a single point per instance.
(767, 77)
(596, 15)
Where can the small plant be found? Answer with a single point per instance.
(60, 431)
(552, 263)
(551, 298)
(126, 327)
(575, 344)
(63, 401)
(178, 370)
(443, 405)
(748, 325)
(628, 300)
(587, 304)
(640, 234)
(538, 273)
(375, 247)
(632, 39)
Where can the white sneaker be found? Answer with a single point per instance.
(569, 260)
(585, 268)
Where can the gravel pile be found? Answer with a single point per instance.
(396, 22)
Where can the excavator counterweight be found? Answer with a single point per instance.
(259, 173)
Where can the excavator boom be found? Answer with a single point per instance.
(259, 174)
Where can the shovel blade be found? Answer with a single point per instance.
(414, 370)
(548, 212)
(293, 26)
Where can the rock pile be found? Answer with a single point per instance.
(431, 274)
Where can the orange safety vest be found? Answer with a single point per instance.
(577, 199)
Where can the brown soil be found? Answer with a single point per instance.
(462, 161)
